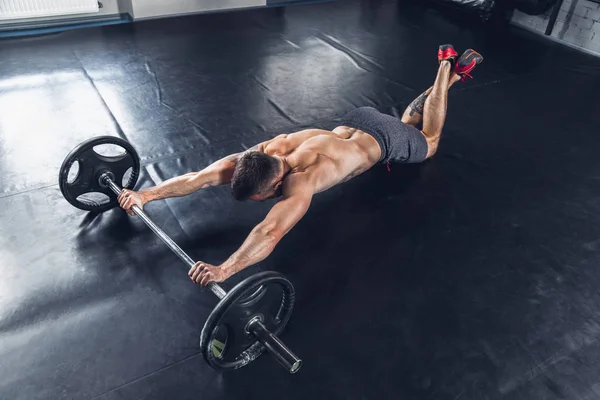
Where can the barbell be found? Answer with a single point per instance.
(247, 319)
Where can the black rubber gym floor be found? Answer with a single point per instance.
(471, 276)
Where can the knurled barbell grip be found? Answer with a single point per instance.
(214, 287)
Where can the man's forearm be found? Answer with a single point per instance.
(258, 246)
(176, 187)
(216, 174)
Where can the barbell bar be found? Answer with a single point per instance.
(271, 342)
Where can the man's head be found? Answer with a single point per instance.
(257, 176)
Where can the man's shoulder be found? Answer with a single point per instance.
(298, 178)
(307, 175)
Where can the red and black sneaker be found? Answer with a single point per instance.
(447, 53)
(466, 63)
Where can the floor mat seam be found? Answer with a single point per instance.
(139, 378)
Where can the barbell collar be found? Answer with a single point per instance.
(274, 346)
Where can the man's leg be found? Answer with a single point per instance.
(434, 109)
(413, 115)
(462, 69)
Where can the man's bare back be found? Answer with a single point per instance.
(325, 157)
(296, 166)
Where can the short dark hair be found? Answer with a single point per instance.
(253, 174)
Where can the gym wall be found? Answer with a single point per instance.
(577, 24)
(112, 11)
(140, 9)
(109, 11)
(143, 9)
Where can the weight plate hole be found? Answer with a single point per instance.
(219, 341)
(93, 199)
(73, 172)
(109, 150)
(126, 177)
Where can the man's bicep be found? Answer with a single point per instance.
(286, 213)
(219, 172)
(297, 196)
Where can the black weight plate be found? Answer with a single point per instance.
(81, 190)
(266, 307)
(224, 341)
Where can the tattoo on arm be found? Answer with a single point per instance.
(418, 104)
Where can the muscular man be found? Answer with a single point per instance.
(297, 166)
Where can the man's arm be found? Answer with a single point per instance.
(218, 173)
(297, 195)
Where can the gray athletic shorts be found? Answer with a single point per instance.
(399, 142)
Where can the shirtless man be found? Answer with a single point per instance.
(297, 166)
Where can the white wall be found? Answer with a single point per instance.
(577, 24)
(143, 9)
(126, 7)
(110, 9)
